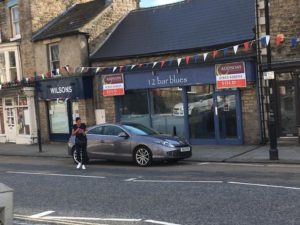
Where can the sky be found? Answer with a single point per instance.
(150, 3)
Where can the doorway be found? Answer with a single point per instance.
(214, 116)
(10, 118)
(286, 95)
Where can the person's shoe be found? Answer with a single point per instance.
(83, 167)
(78, 166)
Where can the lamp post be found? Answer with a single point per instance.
(273, 151)
(37, 113)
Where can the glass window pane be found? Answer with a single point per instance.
(163, 103)
(97, 130)
(58, 114)
(23, 121)
(12, 59)
(2, 60)
(54, 53)
(3, 77)
(17, 28)
(201, 112)
(227, 116)
(13, 74)
(134, 107)
(112, 130)
(15, 13)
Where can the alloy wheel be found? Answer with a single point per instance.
(143, 157)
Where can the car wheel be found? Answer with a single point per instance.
(75, 158)
(143, 156)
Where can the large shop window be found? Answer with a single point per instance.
(164, 103)
(134, 107)
(23, 125)
(58, 115)
(201, 112)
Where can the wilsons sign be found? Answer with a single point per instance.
(66, 88)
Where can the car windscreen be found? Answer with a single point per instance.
(139, 129)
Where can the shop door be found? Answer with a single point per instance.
(10, 118)
(228, 124)
(286, 109)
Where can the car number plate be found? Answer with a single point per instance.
(185, 149)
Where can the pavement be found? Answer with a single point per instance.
(288, 153)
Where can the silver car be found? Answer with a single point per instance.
(131, 142)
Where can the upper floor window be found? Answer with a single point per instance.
(9, 70)
(54, 58)
(15, 21)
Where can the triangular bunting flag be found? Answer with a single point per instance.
(225, 51)
(279, 39)
(187, 60)
(170, 62)
(235, 48)
(215, 53)
(294, 41)
(133, 66)
(114, 69)
(179, 61)
(205, 56)
(162, 63)
(98, 69)
(140, 65)
(43, 76)
(196, 57)
(154, 64)
(265, 40)
(246, 46)
(82, 69)
(121, 68)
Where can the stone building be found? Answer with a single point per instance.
(187, 68)
(284, 18)
(19, 21)
(61, 49)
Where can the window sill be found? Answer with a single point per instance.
(18, 37)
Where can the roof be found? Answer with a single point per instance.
(193, 24)
(71, 20)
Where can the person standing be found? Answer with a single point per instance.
(79, 130)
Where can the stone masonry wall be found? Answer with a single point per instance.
(285, 18)
(100, 27)
(250, 115)
(44, 121)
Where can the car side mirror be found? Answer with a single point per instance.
(123, 135)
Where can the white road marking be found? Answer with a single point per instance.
(91, 219)
(39, 215)
(178, 181)
(265, 185)
(250, 164)
(131, 179)
(53, 174)
(160, 222)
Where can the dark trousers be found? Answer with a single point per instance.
(81, 153)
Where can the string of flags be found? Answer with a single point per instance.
(246, 46)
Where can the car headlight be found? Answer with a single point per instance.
(165, 143)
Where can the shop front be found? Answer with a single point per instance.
(65, 99)
(186, 102)
(17, 115)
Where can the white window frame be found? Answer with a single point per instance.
(51, 61)
(6, 51)
(15, 23)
